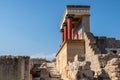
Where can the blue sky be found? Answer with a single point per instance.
(31, 27)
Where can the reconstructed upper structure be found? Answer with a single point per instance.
(75, 22)
(81, 56)
(79, 44)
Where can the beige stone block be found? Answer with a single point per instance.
(88, 73)
(114, 61)
(113, 68)
(115, 74)
(85, 65)
(44, 73)
(115, 78)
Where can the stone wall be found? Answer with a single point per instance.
(91, 52)
(80, 70)
(67, 53)
(104, 58)
(113, 69)
(101, 61)
(14, 68)
(76, 47)
(103, 43)
(61, 60)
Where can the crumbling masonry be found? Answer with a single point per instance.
(83, 56)
(14, 68)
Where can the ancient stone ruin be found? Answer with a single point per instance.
(81, 56)
(14, 68)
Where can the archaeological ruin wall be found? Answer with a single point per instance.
(91, 51)
(108, 45)
(99, 57)
(14, 68)
(66, 53)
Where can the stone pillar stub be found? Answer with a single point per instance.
(85, 24)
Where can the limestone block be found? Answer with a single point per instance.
(78, 58)
(44, 73)
(115, 74)
(114, 61)
(85, 65)
(115, 78)
(14, 68)
(87, 73)
(113, 69)
(103, 74)
(80, 71)
(75, 65)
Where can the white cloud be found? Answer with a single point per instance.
(43, 55)
(35, 55)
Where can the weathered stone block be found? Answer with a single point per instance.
(88, 73)
(44, 73)
(85, 65)
(14, 68)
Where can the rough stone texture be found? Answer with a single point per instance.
(80, 71)
(14, 68)
(91, 52)
(66, 53)
(113, 69)
(99, 51)
(44, 73)
(104, 58)
(61, 60)
(97, 56)
(104, 42)
(101, 75)
(78, 58)
(75, 48)
(53, 73)
(47, 71)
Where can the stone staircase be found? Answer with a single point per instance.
(54, 75)
(92, 52)
(49, 72)
(92, 43)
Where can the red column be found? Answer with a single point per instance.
(69, 25)
(65, 31)
(62, 31)
(77, 36)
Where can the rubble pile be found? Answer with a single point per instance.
(113, 68)
(80, 71)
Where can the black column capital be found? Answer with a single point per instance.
(61, 30)
(69, 16)
(64, 24)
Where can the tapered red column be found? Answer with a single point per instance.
(77, 36)
(69, 26)
(62, 32)
(65, 31)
